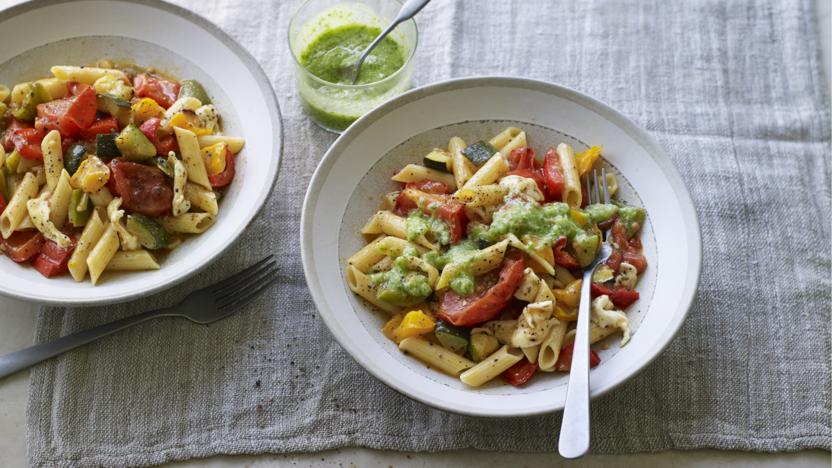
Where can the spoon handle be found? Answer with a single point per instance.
(409, 10)
(574, 429)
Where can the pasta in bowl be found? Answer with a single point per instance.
(233, 81)
(377, 303)
(105, 167)
(476, 257)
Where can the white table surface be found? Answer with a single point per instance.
(17, 326)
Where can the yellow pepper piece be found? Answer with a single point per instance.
(189, 123)
(414, 323)
(567, 315)
(578, 216)
(92, 175)
(145, 109)
(569, 296)
(586, 159)
(214, 157)
(390, 327)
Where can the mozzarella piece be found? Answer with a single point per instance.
(39, 214)
(604, 315)
(627, 276)
(522, 187)
(128, 241)
(533, 325)
(180, 204)
(208, 116)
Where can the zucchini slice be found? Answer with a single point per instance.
(479, 152)
(79, 215)
(151, 234)
(192, 88)
(73, 157)
(105, 145)
(134, 145)
(438, 159)
(118, 108)
(482, 346)
(451, 337)
(163, 165)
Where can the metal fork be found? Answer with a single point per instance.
(203, 306)
(574, 429)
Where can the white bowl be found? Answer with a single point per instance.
(39, 34)
(355, 172)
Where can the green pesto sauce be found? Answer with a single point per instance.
(632, 218)
(330, 55)
(400, 285)
(600, 212)
(463, 253)
(419, 224)
(519, 217)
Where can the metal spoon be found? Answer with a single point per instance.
(409, 10)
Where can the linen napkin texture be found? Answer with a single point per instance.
(733, 91)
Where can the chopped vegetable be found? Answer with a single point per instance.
(192, 88)
(520, 373)
(438, 159)
(151, 234)
(414, 323)
(113, 86)
(564, 363)
(479, 152)
(145, 109)
(26, 99)
(451, 337)
(80, 208)
(134, 145)
(92, 175)
(73, 157)
(214, 157)
(105, 145)
(118, 108)
(481, 346)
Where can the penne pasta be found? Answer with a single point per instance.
(188, 223)
(482, 195)
(90, 236)
(17, 209)
(86, 75)
(59, 200)
(181, 204)
(489, 173)
(462, 167)
(100, 255)
(571, 181)
(361, 284)
(417, 173)
(435, 356)
(486, 260)
(202, 198)
(134, 260)
(191, 156)
(492, 366)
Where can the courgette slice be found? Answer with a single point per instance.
(79, 209)
(105, 145)
(32, 95)
(192, 88)
(454, 338)
(151, 234)
(118, 108)
(479, 152)
(438, 159)
(134, 145)
(481, 346)
(74, 155)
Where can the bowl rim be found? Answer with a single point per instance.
(594, 105)
(266, 90)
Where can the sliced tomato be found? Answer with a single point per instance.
(105, 125)
(52, 116)
(635, 259)
(75, 88)
(14, 124)
(164, 142)
(224, 178)
(453, 213)
(487, 304)
(53, 259)
(522, 158)
(553, 175)
(627, 250)
(614, 261)
(562, 257)
(564, 363)
(429, 186)
(82, 110)
(22, 245)
(27, 142)
(143, 189)
(520, 373)
(621, 297)
(157, 88)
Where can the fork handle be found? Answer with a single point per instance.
(574, 430)
(26, 357)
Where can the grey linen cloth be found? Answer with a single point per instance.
(732, 90)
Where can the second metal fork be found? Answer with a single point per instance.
(574, 430)
(205, 305)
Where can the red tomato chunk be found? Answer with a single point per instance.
(53, 259)
(21, 246)
(520, 373)
(564, 363)
(157, 88)
(143, 189)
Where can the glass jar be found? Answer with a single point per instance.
(335, 106)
